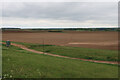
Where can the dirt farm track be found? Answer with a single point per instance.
(99, 40)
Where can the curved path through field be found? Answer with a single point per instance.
(31, 50)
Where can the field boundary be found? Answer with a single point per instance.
(38, 52)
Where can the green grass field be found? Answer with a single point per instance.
(76, 52)
(18, 63)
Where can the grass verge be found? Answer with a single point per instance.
(76, 52)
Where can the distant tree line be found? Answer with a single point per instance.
(75, 29)
(93, 29)
(83, 29)
(10, 28)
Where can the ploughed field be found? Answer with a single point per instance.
(85, 39)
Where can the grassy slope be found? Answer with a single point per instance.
(77, 52)
(19, 63)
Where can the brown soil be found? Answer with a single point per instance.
(98, 40)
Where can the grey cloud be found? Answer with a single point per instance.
(76, 11)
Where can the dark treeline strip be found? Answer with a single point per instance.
(75, 29)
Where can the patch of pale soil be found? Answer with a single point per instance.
(95, 43)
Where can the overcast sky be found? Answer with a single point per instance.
(59, 14)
